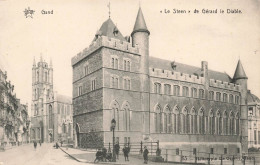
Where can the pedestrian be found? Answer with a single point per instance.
(61, 143)
(57, 145)
(99, 156)
(104, 151)
(145, 155)
(35, 145)
(40, 143)
(117, 148)
(126, 151)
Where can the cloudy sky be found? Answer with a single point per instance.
(220, 39)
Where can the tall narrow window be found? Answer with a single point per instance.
(201, 94)
(237, 100)
(86, 71)
(225, 98)
(185, 91)
(79, 90)
(231, 99)
(218, 96)
(93, 84)
(157, 88)
(176, 91)
(167, 89)
(211, 95)
(194, 93)
(114, 62)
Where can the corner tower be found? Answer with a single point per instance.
(140, 39)
(241, 79)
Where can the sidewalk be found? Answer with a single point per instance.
(88, 156)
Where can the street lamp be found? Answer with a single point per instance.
(113, 125)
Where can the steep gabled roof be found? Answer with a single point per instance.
(188, 69)
(239, 73)
(108, 28)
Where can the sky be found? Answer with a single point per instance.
(221, 39)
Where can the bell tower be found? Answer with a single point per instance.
(42, 86)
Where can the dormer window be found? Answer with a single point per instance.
(115, 32)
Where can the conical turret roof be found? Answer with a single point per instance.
(239, 73)
(140, 25)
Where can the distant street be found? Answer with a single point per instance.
(44, 155)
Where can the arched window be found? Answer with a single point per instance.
(37, 76)
(183, 123)
(211, 95)
(158, 119)
(194, 93)
(201, 121)
(193, 120)
(176, 119)
(225, 99)
(225, 123)
(114, 107)
(231, 98)
(185, 91)
(218, 96)
(167, 119)
(35, 110)
(50, 117)
(201, 94)
(157, 88)
(64, 129)
(46, 76)
(126, 116)
(167, 89)
(237, 124)
(176, 90)
(218, 123)
(211, 122)
(231, 123)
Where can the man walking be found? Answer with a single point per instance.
(126, 151)
(117, 148)
(35, 145)
(145, 154)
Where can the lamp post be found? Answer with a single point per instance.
(113, 125)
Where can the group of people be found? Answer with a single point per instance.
(102, 154)
(35, 144)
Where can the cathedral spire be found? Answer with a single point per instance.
(140, 25)
(41, 58)
(34, 63)
(50, 63)
(239, 73)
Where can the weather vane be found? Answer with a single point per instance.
(109, 9)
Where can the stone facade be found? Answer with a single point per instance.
(51, 113)
(253, 121)
(152, 99)
(14, 120)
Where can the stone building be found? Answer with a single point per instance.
(253, 120)
(51, 113)
(12, 127)
(182, 106)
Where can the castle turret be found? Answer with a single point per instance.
(140, 39)
(241, 79)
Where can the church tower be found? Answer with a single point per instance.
(240, 78)
(140, 39)
(42, 86)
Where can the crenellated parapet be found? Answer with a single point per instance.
(160, 73)
(224, 85)
(104, 41)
